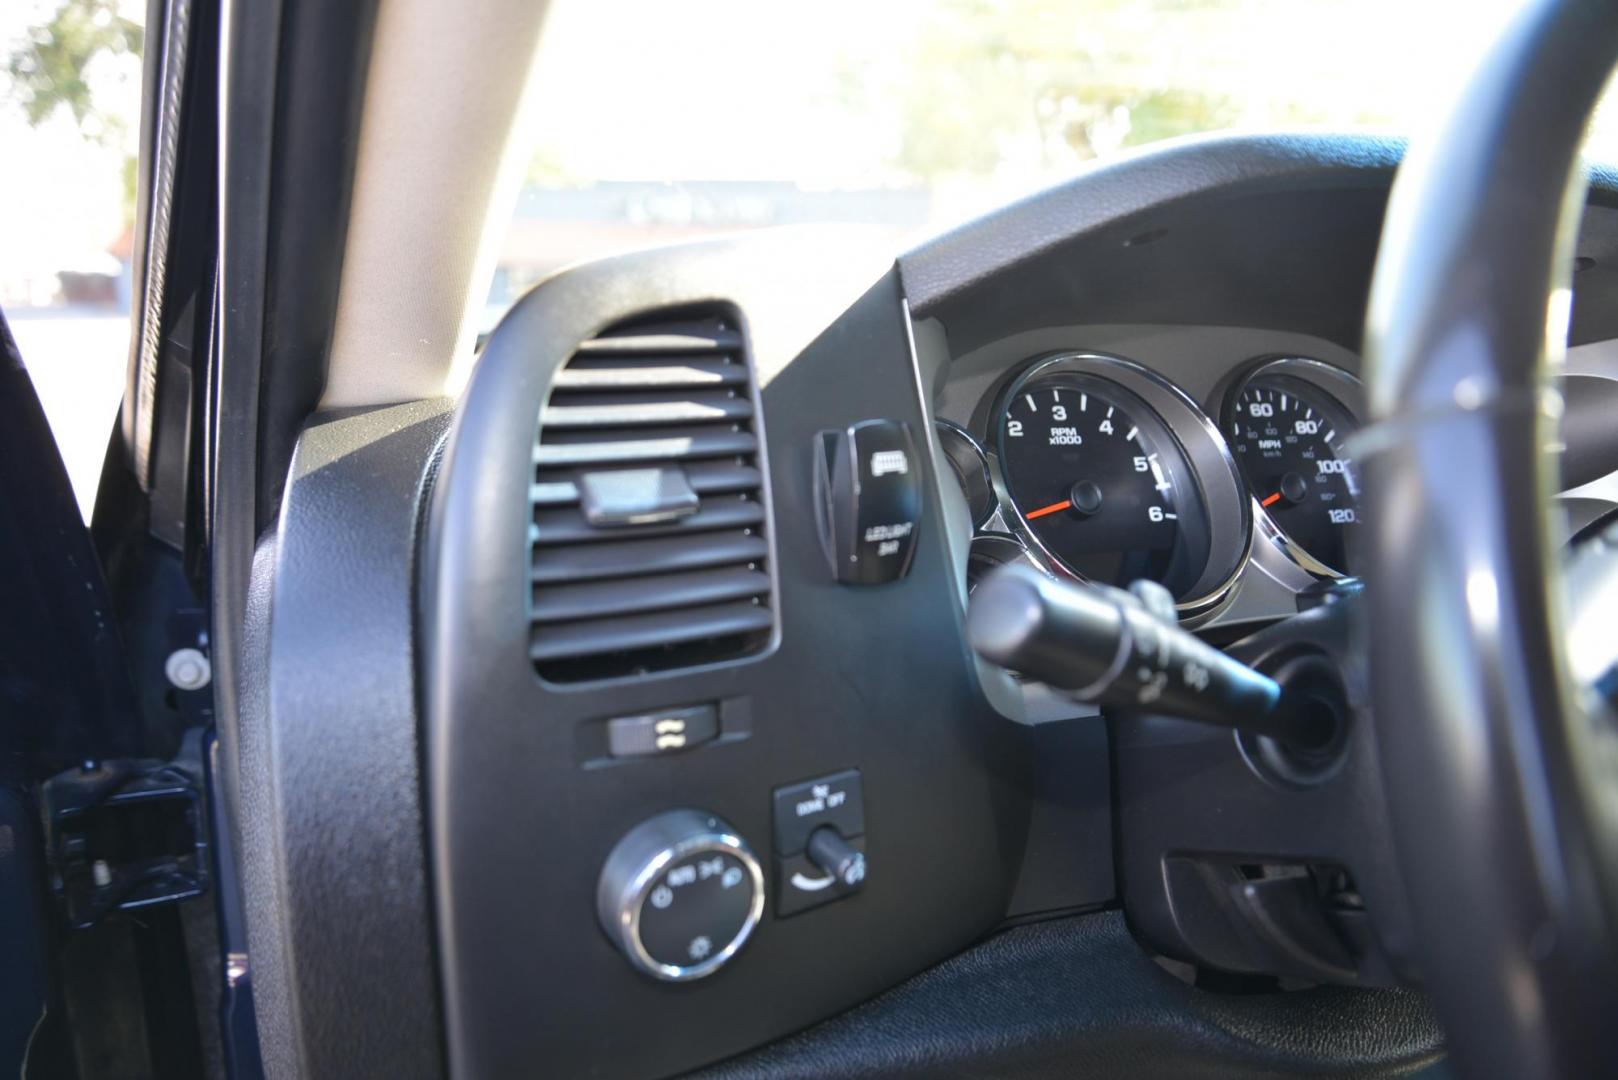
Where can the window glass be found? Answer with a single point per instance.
(70, 77)
(657, 121)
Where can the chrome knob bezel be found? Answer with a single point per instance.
(639, 859)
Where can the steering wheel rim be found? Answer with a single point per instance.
(1508, 849)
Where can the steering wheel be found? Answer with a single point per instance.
(1501, 754)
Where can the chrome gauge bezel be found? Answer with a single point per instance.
(966, 438)
(1214, 471)
(1343, 388)
(1008, 547)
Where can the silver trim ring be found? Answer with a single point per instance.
(634, 897)
(1343, 388)
(1188, 425)
(970, 440)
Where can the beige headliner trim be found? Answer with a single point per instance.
(442, 95)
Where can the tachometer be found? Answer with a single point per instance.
(1289, 434)
(1100, 482)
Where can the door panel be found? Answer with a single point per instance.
(65, 696)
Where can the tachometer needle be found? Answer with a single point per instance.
(1051, 509)
(1271, 500)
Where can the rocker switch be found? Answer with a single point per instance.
(867, 500)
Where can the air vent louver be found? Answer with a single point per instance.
(649, 407)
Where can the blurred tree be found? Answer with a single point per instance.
(1049, 84)
(51, 69)
(546, 169)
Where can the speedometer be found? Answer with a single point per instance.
(1288, 430)
(1100, 482)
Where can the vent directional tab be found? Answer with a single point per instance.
(647, 542)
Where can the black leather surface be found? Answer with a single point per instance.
(1500, 765)
(1078, 997)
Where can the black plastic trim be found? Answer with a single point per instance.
(334, 868)
(246, 130)
(1133, 184)
(944, 775)
(292, 72)
(1276, 231)
(324, 52)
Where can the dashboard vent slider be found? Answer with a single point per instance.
(647, 544)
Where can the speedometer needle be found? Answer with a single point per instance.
(1271, 500)
(1051, 509)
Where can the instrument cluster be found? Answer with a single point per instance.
(1095, 467)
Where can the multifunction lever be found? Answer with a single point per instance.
(1109, 647)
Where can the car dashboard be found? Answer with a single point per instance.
(1260, 427)
(705, 758)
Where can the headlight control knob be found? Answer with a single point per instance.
(680, 894)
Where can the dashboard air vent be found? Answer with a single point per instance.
(647, 547)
